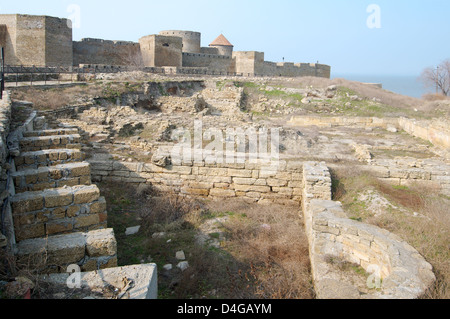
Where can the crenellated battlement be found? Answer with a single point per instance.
(47, 41)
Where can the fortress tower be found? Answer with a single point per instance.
(191, 40)
(36, 40)
(223, 46)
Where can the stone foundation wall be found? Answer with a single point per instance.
(5, 120)
(397, 269)
(330, 121)
(103, 52)
(255, 182)
(57, 211)
(434, 132)
(92, 251)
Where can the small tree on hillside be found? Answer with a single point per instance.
(438, 77)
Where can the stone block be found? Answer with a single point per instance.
(240, 173)
(30, 231)
(73, 210)
(85, 194)
(201, 185)
(194, 191)
(57, 227)
(218, 192)
(86, 220)
(58, 197)
(101, 243)
(27, 202)
(244, 181)
(81, 169)
(66, 249)
(98, 206)
(251, 188)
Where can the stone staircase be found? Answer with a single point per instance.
(59, 216)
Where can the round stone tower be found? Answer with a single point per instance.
(191, 40)
(223, 46)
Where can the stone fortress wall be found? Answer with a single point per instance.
(96, 51)
(36, 40)
(47, 41)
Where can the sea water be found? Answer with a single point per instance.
(408, 85)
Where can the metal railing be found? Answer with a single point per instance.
(40, 73)
(2, 73)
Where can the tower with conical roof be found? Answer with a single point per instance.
(223, 46)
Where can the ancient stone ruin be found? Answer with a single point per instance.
(54, 206)
(176, 51)
(265, 140)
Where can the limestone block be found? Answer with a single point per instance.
(244, 181)
(218, 192)
(60, 226)
(101, 243)
(200, 185)
(30, 231)
(240, 173)
(198, 192)
(98, 206)
(73, 210)
(27, 202)
(86, 220)
(276, 182)
(66, 249)
(85, 194)
(251, 188)
(57, 197)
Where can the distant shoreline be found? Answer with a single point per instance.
(404, 84)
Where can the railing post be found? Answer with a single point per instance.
(2, 72)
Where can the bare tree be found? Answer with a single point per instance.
(438, 77)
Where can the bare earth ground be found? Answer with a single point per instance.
(237, 249)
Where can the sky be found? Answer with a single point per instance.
(377, 37)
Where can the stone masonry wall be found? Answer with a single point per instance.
(5, 120)
(436, 133)
(427, 172)
(398, 270)
(214, 63)
(97, 51)
(250, 181)
(37, 40)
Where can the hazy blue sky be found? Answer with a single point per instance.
(414, 34)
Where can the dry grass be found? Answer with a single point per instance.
(363, 90)
(271, 240)
(264, 254)
(23, 276)
(423, 220)
(49, 98)
(435, 97)
(53, 98)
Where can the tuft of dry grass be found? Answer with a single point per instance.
(435, 97)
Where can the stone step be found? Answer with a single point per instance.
(70, 174)
(59, 210)
(53, 132)
(91, 251)
(38, 143)
(44, 158)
